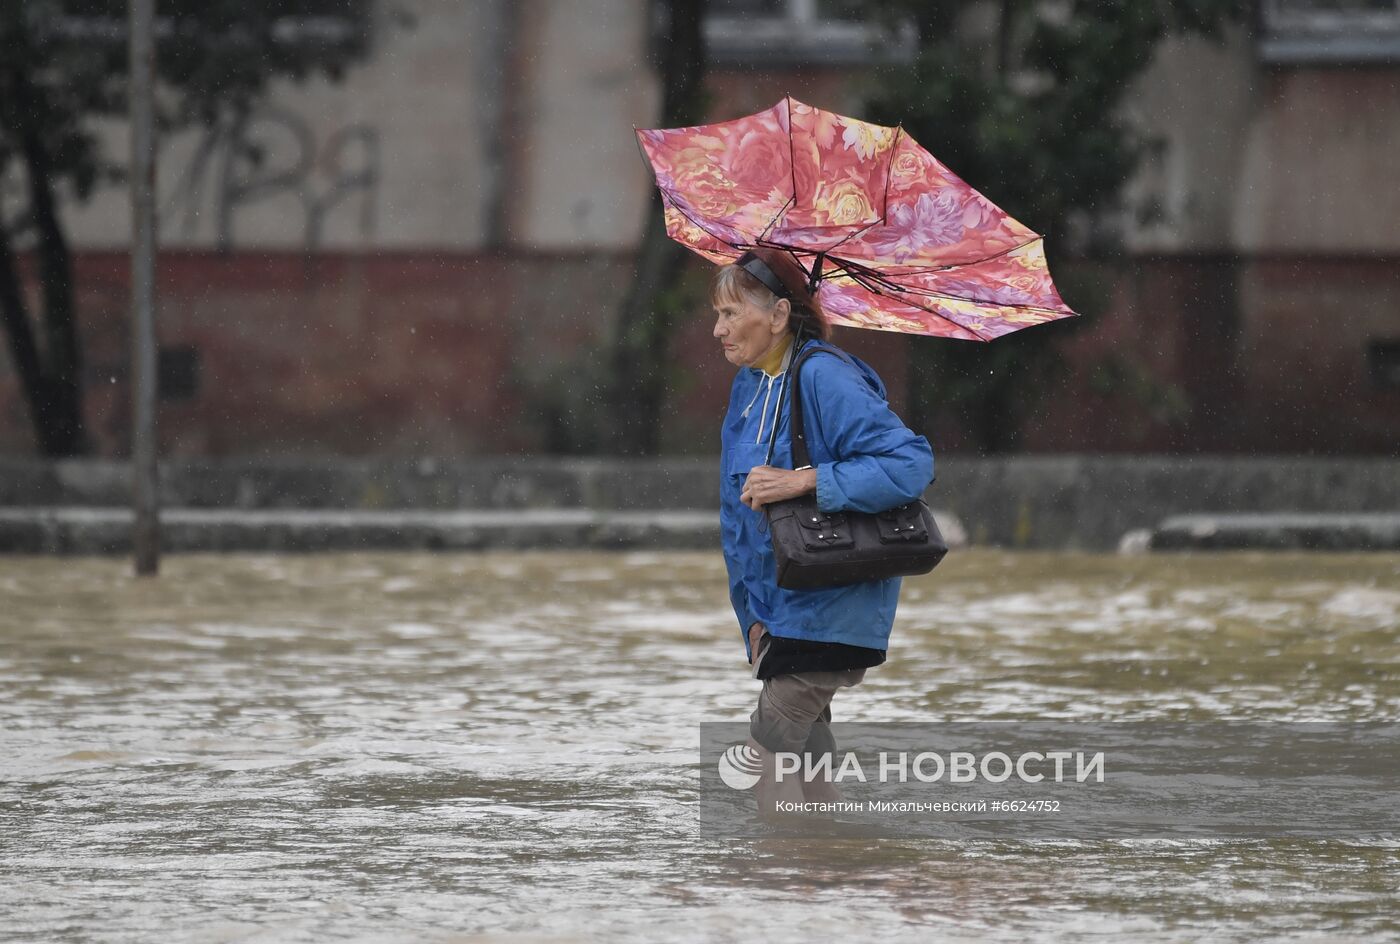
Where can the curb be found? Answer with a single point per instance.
(1278, 532)
(79, 530)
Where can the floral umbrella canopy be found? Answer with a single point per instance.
(897, 241)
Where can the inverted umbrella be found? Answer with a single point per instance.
(897, 241)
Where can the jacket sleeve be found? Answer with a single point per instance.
(738, 593)
(878, 461)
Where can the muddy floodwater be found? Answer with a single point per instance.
(504, 747)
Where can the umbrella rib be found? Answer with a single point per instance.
(692, 219)
(937, 314)
(776, 216)
(867, 271)
(864, 229)
(792, 151)
(853, 267)
(637, 136)
(958, 265)
(866, 276)
(852, 235)
(901, 294)
(792, 176)
(889, 172)
(988, 301)
(932, 293)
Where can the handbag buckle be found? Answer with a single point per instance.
(903, 523)
(821, 529)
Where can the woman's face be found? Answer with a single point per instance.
(748, 331)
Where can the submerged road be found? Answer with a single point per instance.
(374, 747)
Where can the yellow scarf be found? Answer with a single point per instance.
(770, 364)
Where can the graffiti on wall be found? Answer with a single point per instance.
(273, 154)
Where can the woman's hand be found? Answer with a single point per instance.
(768, 484)
(755, 634)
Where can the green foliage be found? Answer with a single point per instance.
(65, 64)
(563, 401)
(1116, 376)
(63, 68)
(1021, 99)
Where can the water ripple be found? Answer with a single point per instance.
(445, 748)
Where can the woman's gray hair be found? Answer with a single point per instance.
(733, 284)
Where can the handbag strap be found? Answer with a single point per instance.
(801, 457)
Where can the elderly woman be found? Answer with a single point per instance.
(803, 644)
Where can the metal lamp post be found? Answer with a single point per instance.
(145, 500)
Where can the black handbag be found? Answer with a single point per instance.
(814, 548)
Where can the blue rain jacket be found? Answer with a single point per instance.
(866, 460)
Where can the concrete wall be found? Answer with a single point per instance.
(342, 354)
(1067, 501)
(492, 353)
(1318, 163)
(510, 121)
(386, 354)
(1229, 354)
(479, 123)
(1198, 99)
(396, 155)
(1264, 159)
(433, 250)
(580, 182)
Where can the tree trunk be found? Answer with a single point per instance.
(637, 374)
(52, 409)
(52, 380)
(1005, 28)
(61, 415)
(23, 351)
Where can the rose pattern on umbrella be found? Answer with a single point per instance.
(933, 219)
(908, 246)
(839, 169)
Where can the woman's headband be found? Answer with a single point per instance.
(757, 268)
